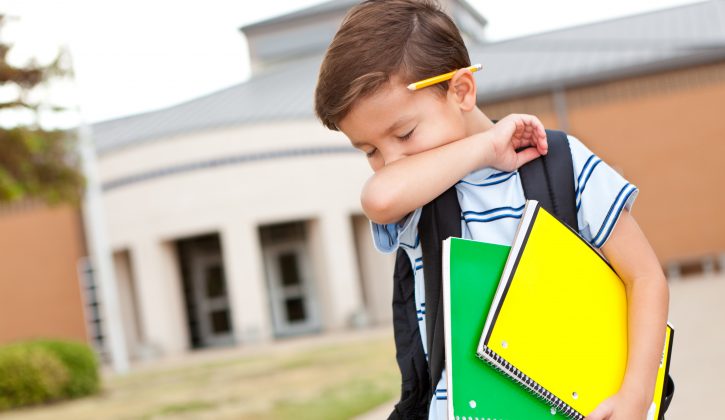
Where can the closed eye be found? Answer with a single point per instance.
(406, 136)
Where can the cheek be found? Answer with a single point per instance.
(439, 135)
(448, 126)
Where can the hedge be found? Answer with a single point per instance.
(42, 371)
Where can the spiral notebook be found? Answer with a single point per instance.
(558, 320)
(471, 272)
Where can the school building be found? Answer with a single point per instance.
(235, 217)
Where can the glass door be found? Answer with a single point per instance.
(294, 307)
(210, 297)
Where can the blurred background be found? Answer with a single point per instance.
(169, 201)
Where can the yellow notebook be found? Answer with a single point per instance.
(558, 321)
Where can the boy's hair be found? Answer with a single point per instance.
(379, 39)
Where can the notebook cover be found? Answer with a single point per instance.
(562, 320)
(471, 273)
(662, 371)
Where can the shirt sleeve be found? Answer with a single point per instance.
(601, 194)
(387, 238)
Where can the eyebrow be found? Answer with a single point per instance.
(401, 121)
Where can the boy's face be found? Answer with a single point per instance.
(395, 122)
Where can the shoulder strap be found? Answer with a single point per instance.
(440, 219)
(550, 179)
(415, 390)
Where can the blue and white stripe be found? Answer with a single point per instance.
(494, 179)
(586, 173)
(492, 215)
(418, 264)
(420, 311)
(613, 214)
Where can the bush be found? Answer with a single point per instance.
(82, 364)
(46, 370)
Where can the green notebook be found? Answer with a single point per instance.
(471, 273)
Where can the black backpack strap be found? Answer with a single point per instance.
(550, 179)
(440, 219)
(415, 392)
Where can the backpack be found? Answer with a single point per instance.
(549, 180)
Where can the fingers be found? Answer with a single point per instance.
(525, 156)
(602, 412)
(529, 131)
(520, 128)
(539, 135)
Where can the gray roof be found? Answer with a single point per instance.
(638, 44)
(654, 41)
(326, 7)
(338, 5)
(282, 94)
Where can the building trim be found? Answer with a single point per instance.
(711, 56)
(152, 174)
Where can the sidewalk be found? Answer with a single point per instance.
(698, 316)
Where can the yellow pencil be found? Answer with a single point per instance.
(437, 79)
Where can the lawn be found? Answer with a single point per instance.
(326, 381)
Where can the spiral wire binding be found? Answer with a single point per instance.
(502, 365)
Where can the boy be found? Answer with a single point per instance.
(421, 143)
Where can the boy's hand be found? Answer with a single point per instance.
(620, 406)
(513, 132)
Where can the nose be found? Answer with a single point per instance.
(394, 153)
(394, 158)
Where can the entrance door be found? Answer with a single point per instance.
(210, 297)
(294, 309)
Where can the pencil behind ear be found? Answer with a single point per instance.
(463, 88)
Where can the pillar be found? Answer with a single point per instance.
(246, 282)
(160, 297)
(332, 236)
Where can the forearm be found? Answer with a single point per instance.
(648, 300)
(402, 186)
(634, 260)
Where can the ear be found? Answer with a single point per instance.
(462, 89)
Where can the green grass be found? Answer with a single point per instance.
(323, 382)
(186, 407)
(345, 401)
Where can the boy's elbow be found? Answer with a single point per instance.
(378, 205)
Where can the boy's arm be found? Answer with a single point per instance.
(636, 264)
(402, 186)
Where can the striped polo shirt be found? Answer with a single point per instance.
(492, 203)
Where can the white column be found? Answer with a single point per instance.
(100, 252)
(376, 271)
(160, 297)
(341, 280)
(127, 301)
(246, 282)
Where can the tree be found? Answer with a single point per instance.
(35, 163)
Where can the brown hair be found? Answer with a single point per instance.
(379, 39)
